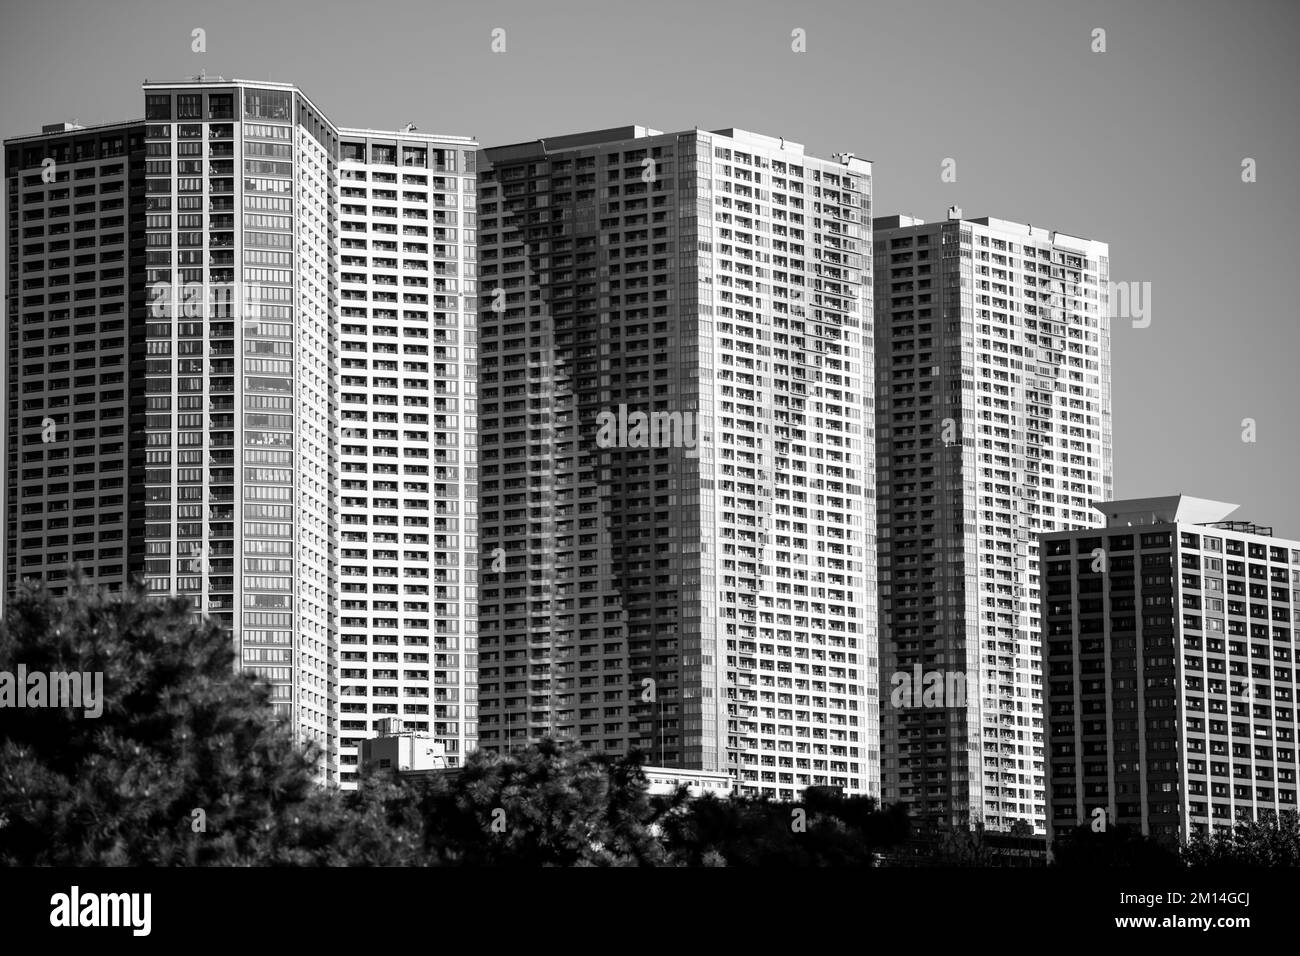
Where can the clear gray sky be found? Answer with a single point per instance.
(1140, 146)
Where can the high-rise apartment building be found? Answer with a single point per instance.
(993, 405)
(408, 557)
(236, 378)
(176, 313)
(1171, 676)
(676, 425)
(75, 294)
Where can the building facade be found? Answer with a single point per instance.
(75, 292)
(676, 426)
(993, 413)
(1170, 641)
(407, 452)
(403, 751)
(192, 261)
(237, 379)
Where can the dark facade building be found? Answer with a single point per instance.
(73, 318)
(1170, 642)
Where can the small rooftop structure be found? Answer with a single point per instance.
(1243, 527)
(664, 780)
(1183, 509)
(403, 751)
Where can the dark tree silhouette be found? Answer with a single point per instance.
(1119, 845)
(546, 805)
(187, 763)
(1272, 840)
(824, 830)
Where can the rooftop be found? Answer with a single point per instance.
(550, 144)
(1167, 509)
(1004, 226)
(207, 82)
(49, 130)
(407, 134)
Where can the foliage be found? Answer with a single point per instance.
(1118, 845)
(1272, 840)
(183, 731)
(546, 805)
(825, 830)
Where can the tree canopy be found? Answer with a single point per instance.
(1272, 840)
(188, 765)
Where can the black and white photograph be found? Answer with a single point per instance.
(870, 491)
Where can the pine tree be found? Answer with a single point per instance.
(547, 805)
(1273, 840)
(187, 763)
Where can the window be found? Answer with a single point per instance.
(221, 106)
(263, 131)
(266, 104)
(157, 106)
(189, 106)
